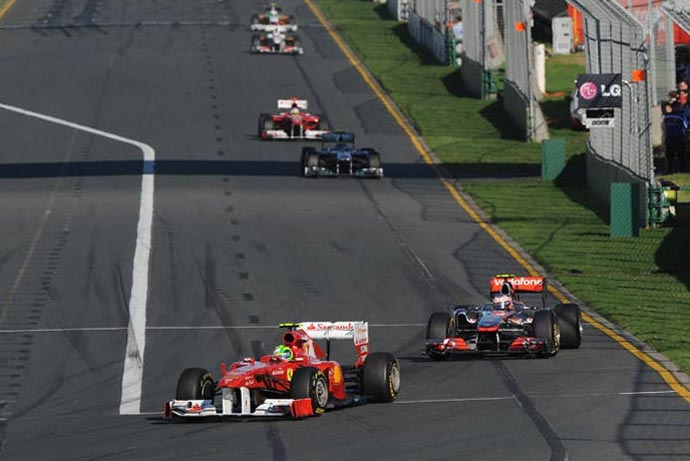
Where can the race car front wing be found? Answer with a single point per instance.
(287, 50)
(285, 408)
(315, 171)
(281, 134)
(522, 344)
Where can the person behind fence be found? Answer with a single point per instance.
(675, 131)
(682, 101)
(458, 32)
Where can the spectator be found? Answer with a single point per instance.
(457, 29)
(676, 129)
(683, 107)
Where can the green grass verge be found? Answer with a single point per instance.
(639, 283)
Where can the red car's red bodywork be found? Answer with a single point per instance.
(274, 374)
(298, 380)
(294, 122)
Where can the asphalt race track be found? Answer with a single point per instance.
(240, 243)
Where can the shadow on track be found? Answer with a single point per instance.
(224, 168)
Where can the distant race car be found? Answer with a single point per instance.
(292, 122)
(505, 325)
(338, 156)
(273, 16)
(276, 40)
(296, 381)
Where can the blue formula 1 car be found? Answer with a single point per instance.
(338, 156)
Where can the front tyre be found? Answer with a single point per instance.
(265, 123)
(195, 384)
(438, 329)
(381, 377)
(306, 152)
(310, 383)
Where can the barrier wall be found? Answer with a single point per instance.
(427, 36)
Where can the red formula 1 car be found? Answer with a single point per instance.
(297, 380)
(293, 122)
(505, 325)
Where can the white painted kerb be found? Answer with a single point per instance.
(133, 370)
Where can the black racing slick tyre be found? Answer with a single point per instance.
(195, 384)
(570, 325)
(374, 160)
(381, 377)
(265, 123)
(310, 383)
(306, 152)
(438, 329)
(324, 123)
(256, 43)
(546, 327)
(312, 160)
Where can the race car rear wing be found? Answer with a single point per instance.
(357, 331)
(279, 28)
(511, 284)
(287, 103)
(339, 136)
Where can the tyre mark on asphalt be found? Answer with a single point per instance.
(558, 451)
(400, 240)
(21, 308)
(279, 451)
(214, 297)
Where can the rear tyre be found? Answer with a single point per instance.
(546, 328)
(438, 329)
(265, 123)
(195, 384)
(381, 377)
(310, 383)
(570, 325)
(256, 43)
(324, 123)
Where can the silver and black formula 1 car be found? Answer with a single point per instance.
(338, 156)
(505, 325)
(276, 40)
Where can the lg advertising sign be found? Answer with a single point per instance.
(596, 97)
(599, 91)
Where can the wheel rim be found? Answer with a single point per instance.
(321, 393)
(394, 379)
(207, 390)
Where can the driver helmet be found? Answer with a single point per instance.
(294, 111)
(277, 39)
(284, 352)
(503, 303)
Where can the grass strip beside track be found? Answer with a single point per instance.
(640, 284)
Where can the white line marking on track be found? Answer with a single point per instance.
(133, 369)
(182, 328)
(511, 397)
